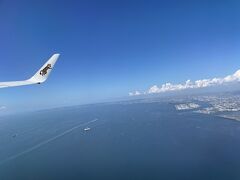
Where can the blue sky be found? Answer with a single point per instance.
(109, 48)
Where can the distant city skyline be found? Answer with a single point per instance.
(110, 48)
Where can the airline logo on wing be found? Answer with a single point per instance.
(40, 77)
(44, 71)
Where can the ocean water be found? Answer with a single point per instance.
(130, 140)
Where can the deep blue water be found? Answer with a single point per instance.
(126, 141)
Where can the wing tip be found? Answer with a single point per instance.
(56, 54)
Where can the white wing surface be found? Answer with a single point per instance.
(40, 77)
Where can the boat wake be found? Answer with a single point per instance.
(45, 142)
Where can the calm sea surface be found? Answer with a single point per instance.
(125, 141)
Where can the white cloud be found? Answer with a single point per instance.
(3, 107)
(191, 85)
(136, 93)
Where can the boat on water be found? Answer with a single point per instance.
(14, 135)
(87, 129)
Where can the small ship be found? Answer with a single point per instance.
(87, 129)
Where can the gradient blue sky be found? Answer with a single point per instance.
(109, 48)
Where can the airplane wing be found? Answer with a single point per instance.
(40, 77)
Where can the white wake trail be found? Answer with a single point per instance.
(45, 142)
